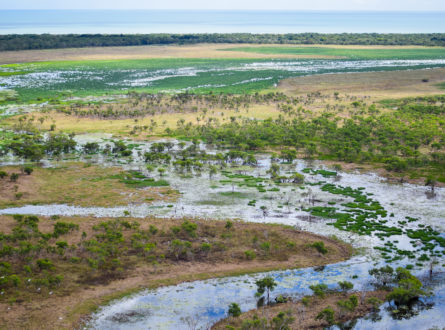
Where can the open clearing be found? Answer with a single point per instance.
(379, 85)
(76, 184)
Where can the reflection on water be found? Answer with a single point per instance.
(205, 302)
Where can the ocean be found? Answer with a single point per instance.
(205, 21)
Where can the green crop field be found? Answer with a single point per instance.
(347, 53)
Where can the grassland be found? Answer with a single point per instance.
(57, 80)
(184, 51)
(146, 254)
(368, 87)
(373, 85)
(134, 52)
(75, 184)
(361, 53)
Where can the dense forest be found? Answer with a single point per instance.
(46, 41)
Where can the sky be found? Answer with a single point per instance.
(410, 5)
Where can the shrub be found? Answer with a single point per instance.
(28, 170)
(250, 255)
(349, 304)
(326, 314)
(3, 174)
(14, 177)
(234, 310)
(62, 244)
(175, 230)
(345, 286)
(319, 289)
(75, 260)
(306, 301)
(265, 246)
(15, 279)
(62, 228)
(206, 247)
(44, 264)
(189, 228)
(282, 321)
(319, 246)
(229, 224)
(153, 230)
(374, 302)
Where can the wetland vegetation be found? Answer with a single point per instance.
(120, 175)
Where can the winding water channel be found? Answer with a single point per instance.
(207, 301)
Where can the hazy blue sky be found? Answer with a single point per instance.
(228, 4)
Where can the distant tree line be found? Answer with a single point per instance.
(46, 41)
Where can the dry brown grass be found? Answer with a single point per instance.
(168, 51)
(137, 52)
(75, 184)
(377, 85)
(123, 127)
(76, 299)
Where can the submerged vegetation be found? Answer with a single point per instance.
(233, 136)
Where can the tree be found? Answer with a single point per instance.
(288, 155)
(234, 310)
(267, 285)
(408, 289)
(212, 171)
(430, 181)
(274, 171)
(384, 275)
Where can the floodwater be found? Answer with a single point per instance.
(203, 197)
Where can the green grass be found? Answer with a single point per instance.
(53, 81)
(362, 54)
(11, 73)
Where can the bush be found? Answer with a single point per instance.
(374, 302)
(229, 224)
(28, 170)
(62, 244)
(234, 310)
(44, 264)
(189, 228)
(175, 230)
(319, 289)
(3, 174)
(345, 286)
(153, 230)
(62, 228)
(250, 255)
(13, 177)
(319, 246)
(206, 247)
(265, 246)
(327, 314)
(349, 304)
